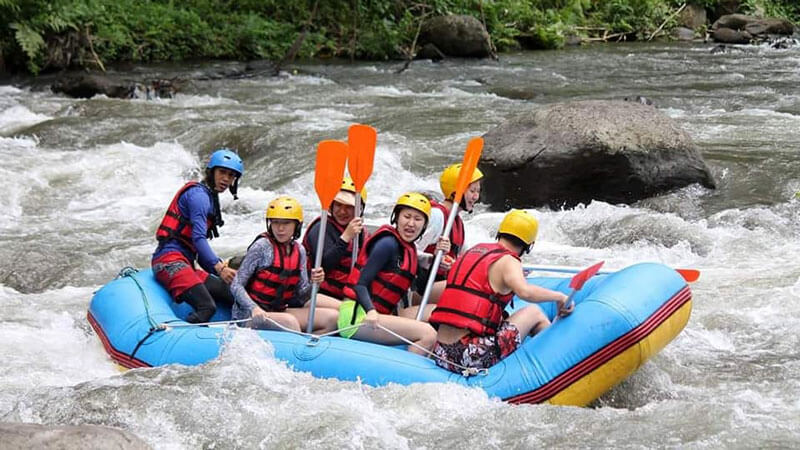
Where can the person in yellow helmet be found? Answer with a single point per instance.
(272, 284)
(384, 271)
(342, 227)
(440, 213)
(472, 331)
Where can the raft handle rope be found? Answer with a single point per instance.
(313, 339)
(129, 271)
(465, 371)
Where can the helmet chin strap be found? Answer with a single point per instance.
(235, 188)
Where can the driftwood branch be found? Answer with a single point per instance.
(411, 52)
(492, 48)
(292, 52)
(606, 37)
(658, 30)
(91, 49)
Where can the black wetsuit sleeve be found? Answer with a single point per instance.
(335, 248)
(382, 256)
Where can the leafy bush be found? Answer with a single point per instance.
(52, 34)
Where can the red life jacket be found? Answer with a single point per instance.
(468, 300)
(389, 286)
(175, 226)
(272, 287)
(456, 236)
(336, 277)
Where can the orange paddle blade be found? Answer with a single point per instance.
(361, 141)
(690, 275)
(584, 275)
(468, 165)
(331, 157)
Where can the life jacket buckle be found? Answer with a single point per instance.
(312, 341)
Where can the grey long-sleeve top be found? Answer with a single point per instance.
(259, 256)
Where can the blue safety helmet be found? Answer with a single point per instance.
(226, 158)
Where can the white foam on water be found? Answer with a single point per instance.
(17, 118)
(123, 181)
(197, 101)
(9, 90)
(321, 119)
(386, 91)
(46, 342)
(20, 175)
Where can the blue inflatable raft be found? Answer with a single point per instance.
(620, 320)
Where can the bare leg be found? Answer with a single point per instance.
(260, 322)
(436, 292)
(411, 312)
(529, 320)
(325, 301)
(419, 333)
(324, 318)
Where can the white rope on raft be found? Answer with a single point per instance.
(313, 339)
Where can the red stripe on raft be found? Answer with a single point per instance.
(121, 358)
(606, 353)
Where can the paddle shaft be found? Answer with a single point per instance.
(566, 305)
(357, 213)
(437, 260)
(689, 275)
(317, 263)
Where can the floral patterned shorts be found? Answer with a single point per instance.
(479, 352)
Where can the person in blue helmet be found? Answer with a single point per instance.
(192, 219)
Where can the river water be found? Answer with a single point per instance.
(86, 182)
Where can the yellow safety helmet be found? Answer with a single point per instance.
(349, 186)
(521, 225)
(285, 207)
(414, 200)
(449, 179)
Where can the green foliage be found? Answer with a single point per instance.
(50, 34)
(789, 9)
(31, 43)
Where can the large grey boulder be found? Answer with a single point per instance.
(89, 85)
(754, 25)
(457, 35)
(682, 34)
(51, 437)
(692, 17)
(730, 36)
(568, 153)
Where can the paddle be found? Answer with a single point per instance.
(361, 141)
(329, 171)
(468, 165)
(576, 283)
(690, 275)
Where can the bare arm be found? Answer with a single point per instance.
(511, 277)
